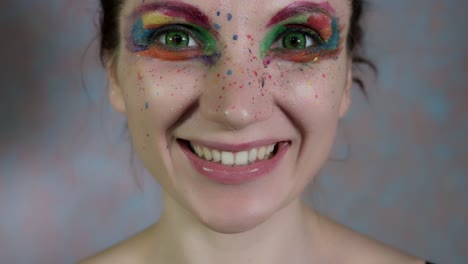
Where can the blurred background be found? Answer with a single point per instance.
(69, 186)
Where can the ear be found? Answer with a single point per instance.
(346, 96)
(113, 88)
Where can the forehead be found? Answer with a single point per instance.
(253, 10)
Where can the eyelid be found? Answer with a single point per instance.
(303, 29)
(290, 28)
(192, 32)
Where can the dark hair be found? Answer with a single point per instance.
(110, 11)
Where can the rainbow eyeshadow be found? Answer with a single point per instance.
(172, 31)
(307, 32)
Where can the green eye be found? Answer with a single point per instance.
(296, 41)
(176, 39)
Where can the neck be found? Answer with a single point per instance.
(284, 237)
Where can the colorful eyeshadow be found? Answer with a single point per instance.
(176, 9)
(164, 37)
(298, 24)
(301, 7)
(154, 19)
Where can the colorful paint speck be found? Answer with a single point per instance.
(235, 37)
(229, 72)
(229, 16)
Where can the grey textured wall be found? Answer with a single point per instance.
(398, 171)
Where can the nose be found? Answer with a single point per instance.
(234, 92)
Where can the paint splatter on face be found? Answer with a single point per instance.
(302, 32)
(172, 96)
(172, 31)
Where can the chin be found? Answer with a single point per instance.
(235, 223)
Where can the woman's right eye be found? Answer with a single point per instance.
(173, 42)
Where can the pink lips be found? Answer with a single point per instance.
(234, 175)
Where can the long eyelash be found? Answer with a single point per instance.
(148, 37)
(327, 47)
(301, 29)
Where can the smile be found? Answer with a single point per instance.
(233, 165)
(240, 158)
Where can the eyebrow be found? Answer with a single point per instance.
(301, 7)
(176, 9)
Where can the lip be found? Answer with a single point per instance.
(236, 175)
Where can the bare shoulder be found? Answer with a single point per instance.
(358, 248)
(129, 251)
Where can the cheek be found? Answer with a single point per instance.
(157, 93)
(311, 92)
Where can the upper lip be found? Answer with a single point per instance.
(235, 147)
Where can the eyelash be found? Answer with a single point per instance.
(318, 49)
(150, 42)
(202, 44)
(314, 37)
(156, 36)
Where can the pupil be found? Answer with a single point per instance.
(295, 41)
(177, 39)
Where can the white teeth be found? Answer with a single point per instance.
(198, 151)
(227, 158)
(261, 153)
(252, 155)
(269, 150)
(207, 154)
(216, 156)
(240, 158)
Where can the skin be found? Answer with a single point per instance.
(263, 221)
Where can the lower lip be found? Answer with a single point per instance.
(228, 175)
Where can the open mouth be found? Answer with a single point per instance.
(234, 159)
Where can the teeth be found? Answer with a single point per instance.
(269, 151)
(216, 156)
(234, 159)
(227, 158)
(261, 153)
(242, 158)
(207, 154)
(198, 151)
(252, 155)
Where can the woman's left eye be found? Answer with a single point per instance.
(176, 39)
(296, 40)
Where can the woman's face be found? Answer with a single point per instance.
(232, 105)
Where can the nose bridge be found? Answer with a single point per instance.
(234, 93)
